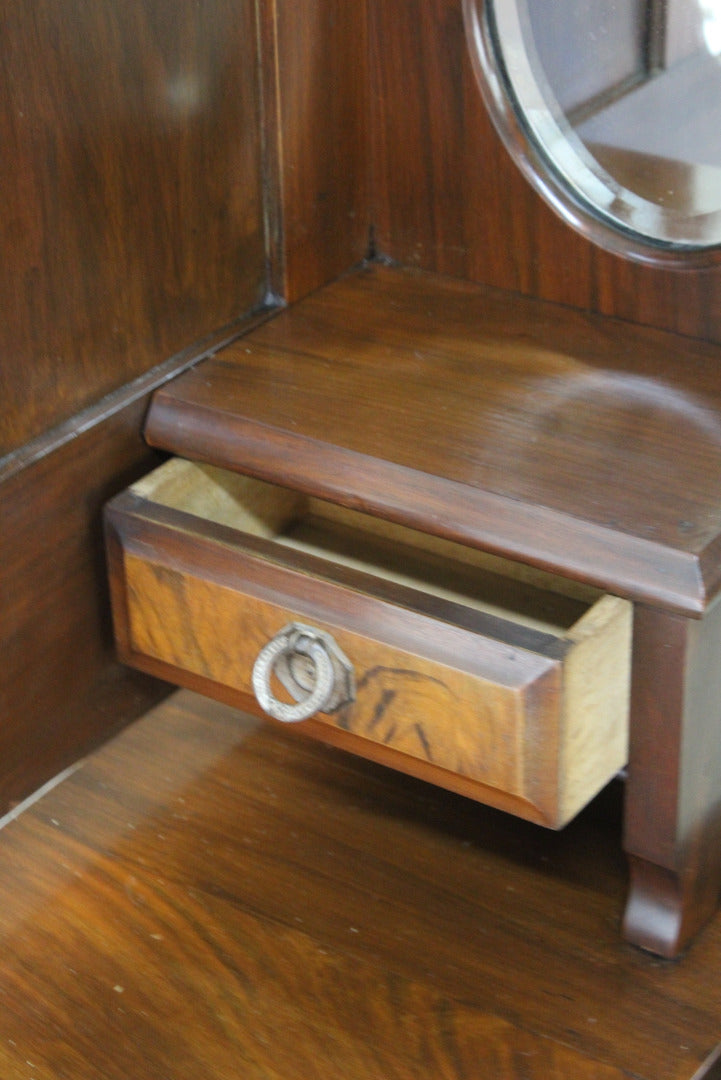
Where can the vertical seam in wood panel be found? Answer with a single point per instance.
(374, 132)
(372, 137)
(271, 149)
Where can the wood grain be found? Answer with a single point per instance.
(321, 91)
(569, 442)
(132, 217)
(673, 820)
(438, 387)
(536, 719)
(62, 690)
(207, 896)
(448, 198)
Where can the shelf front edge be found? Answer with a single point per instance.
(617, 562)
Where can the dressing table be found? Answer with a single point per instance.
(470, 535)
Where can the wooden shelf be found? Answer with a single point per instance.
(577, 444)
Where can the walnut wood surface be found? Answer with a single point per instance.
(572, 443)
(209, 897)
(535, 725)
(321, 89)
(62, 690)
(132, 225)
(132, 217)
(579, 444)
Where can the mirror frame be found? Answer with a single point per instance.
(546, 177)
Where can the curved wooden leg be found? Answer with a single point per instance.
(673, 796)
(661, 915)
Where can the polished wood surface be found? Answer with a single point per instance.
(528, 430)
(132, 227)
(448, 198)
(486, 684)
(156, 182)
(133, 223)
(210, 897)
(132, 219)
(673, 817)
(320, 85)
(62, 689)
(570, 442)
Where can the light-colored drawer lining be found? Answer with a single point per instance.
(346, 537)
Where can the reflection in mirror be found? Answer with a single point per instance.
(613, 108)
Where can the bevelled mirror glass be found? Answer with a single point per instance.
(612, 108)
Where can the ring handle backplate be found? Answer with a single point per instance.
(311, 667)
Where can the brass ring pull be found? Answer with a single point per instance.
(310, 666)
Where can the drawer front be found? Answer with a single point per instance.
(196, 603)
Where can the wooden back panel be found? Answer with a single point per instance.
(132, 220)
(316, 62)
(448, 198)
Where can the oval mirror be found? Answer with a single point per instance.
(612, 108)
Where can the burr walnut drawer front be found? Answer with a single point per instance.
(482, 675)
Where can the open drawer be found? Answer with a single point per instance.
(484, 676)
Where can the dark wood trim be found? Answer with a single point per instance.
(673, 813)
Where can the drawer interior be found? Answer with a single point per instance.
(438, 567)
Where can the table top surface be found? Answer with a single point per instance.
(578, 443)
